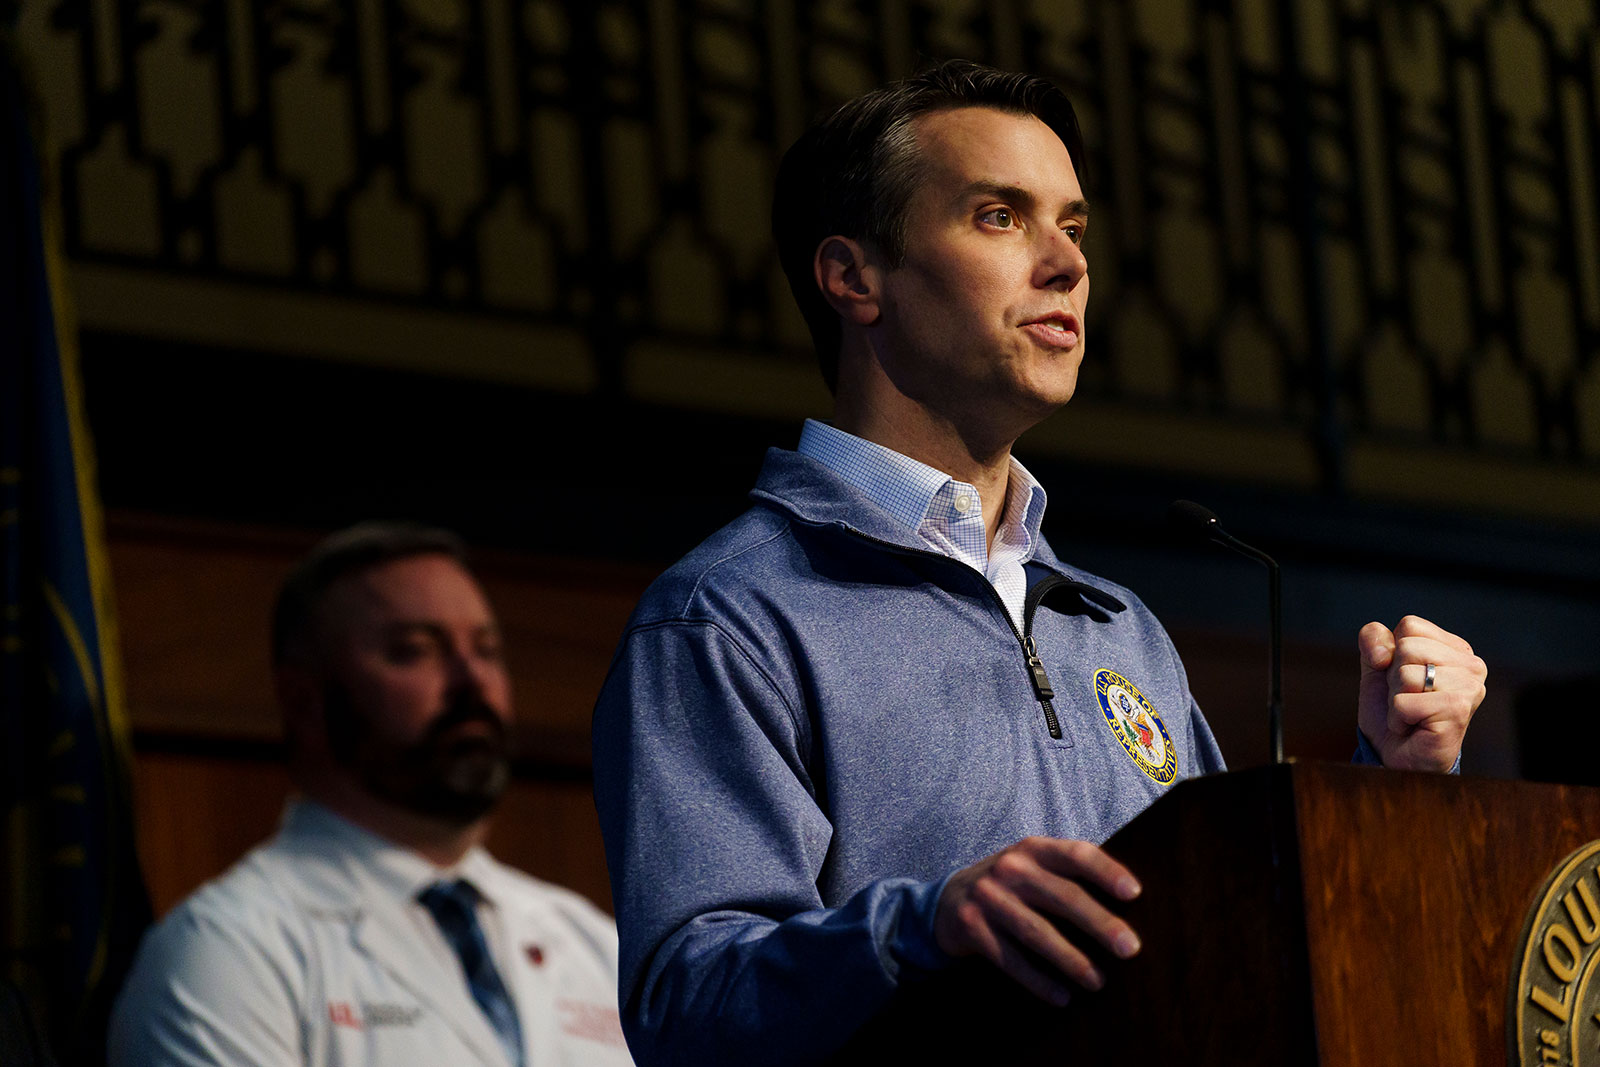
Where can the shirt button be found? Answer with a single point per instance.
(963, 502)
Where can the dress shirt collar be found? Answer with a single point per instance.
(898, 484)
(907, 488)
(1024, 507)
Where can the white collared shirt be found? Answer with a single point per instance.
(945, 514)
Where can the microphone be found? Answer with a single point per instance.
(1201, 523)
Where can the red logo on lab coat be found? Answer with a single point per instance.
(340, 1013)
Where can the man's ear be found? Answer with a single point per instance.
(849, 283)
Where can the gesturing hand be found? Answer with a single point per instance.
(1411, 726)
(1002, 908)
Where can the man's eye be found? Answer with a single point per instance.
(1074, 232)
(407, 652)
(1000, 217)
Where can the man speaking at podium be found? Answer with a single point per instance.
(876, 725)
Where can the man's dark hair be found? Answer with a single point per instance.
(854, 173)
(350, 551)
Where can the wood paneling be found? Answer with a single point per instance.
(199, 813)
(551, 830)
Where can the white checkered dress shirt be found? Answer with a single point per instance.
(946, 514)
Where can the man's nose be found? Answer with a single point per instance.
(1062, 264)
(482, 676)
(469, 671)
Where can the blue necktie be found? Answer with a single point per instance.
(454, 906)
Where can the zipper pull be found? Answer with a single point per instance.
(1041, 680)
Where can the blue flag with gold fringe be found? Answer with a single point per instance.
(74, 898)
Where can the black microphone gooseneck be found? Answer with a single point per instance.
(1198, 521)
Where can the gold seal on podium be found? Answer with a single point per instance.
(1554, 1012)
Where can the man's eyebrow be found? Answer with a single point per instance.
(400, 626)
(1015, 194)
(434, 629)
(987, 189)
(406, 626)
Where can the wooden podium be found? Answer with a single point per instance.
(1306, 913)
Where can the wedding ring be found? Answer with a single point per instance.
(1427, 678)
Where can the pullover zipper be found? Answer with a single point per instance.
(1030, 651)
(1041, 681)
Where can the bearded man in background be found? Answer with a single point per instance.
(374, 927)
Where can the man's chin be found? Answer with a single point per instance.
(1055, 391)
(460, 792)
(1041, 397)
(486, 777)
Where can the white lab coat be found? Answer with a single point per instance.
(312, 950)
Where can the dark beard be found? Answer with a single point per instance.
(456, 780)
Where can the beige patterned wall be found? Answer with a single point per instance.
(573, 197)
